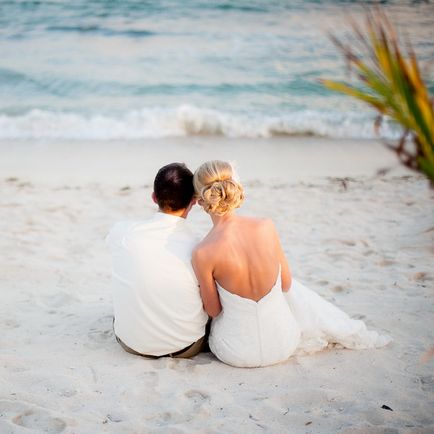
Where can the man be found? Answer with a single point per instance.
(157, 306)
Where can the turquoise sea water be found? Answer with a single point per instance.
(107, 69)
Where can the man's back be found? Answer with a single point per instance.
(157, 305)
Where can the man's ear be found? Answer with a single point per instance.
(154, 198)
(189, 207)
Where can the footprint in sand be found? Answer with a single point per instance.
(150, 379)
(100, 336)
(101, 331)
(67, 393)
(40, 420)
(191, 404)
(10, 324)
(369, 252)
(427, 383)
(197, 398)
(36, 419)
(349, 243)
(59, 300)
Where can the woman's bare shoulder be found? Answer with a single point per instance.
(260, 222)
(204, 248)
(251, 219)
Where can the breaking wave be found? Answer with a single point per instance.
(188, 120)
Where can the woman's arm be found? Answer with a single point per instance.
(208, 289)
(285, 272)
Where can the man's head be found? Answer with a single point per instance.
(173, 189)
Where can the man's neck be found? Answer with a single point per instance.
(180, 213)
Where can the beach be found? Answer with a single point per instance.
(95, 97)
(361, 238)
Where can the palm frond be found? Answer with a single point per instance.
(390, 81)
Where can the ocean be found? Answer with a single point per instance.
(132, 69)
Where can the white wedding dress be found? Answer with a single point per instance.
(252, 334)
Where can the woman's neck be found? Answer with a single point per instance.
(221, 219)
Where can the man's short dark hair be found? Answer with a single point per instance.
(173, 187)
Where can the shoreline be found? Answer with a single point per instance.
(281, 159)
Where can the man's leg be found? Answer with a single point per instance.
(200, 346)
(126, 348)
(192, 350)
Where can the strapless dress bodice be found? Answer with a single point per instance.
(251, 333)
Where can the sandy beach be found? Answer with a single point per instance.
(361, 239)
(96, 96)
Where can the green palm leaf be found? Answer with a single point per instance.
(390, 81)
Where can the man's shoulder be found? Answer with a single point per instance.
(188, 229)
(119, 230)
(136, 232)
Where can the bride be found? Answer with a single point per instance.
(261, 315)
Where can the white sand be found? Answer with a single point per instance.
(366, 244)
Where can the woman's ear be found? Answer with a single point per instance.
(154, 198)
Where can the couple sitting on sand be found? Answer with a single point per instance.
(167, 285)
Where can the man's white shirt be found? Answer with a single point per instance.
(156, 299)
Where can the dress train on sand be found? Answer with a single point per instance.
(252, 334)
(321, 323)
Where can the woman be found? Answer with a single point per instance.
(261, 316)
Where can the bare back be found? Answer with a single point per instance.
(243, 254)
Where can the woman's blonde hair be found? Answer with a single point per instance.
(216, 189)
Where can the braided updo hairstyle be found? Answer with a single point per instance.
(216, 189)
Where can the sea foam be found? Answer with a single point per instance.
(188, 120)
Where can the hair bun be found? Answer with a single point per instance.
(220, 197)
(216, 188)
